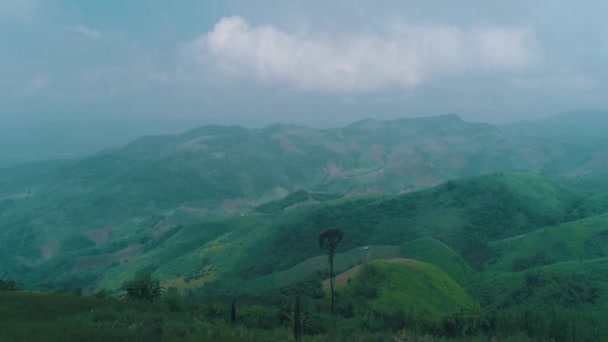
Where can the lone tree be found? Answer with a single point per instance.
(329, 241)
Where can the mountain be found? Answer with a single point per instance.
(189, 248)
(581, 126)
(575, 143)
(447, 225)
(194, 207)
(68, 140)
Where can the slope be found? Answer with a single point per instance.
(573, 241)
(396, 287)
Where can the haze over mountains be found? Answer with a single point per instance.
(112, 211)
(67, 140)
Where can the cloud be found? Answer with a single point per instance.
(33, 86)
(94, 34)
(26, 12)
(404, 56)
(562, 79)
(16, 8)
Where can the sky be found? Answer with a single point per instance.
(310, 62)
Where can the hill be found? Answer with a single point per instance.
(169, 200)
(190, 248)
(392, 287)
(572, 241)
(464, 214)
(580, 126)
(70, 140)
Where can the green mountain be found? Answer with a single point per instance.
(225, 212)
(219, 206)
(189, 249)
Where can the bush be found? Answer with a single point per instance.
(8, 284)
(144, 289)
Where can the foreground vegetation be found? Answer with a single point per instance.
(362, 314)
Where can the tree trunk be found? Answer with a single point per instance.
(331, 282)
(297, 326)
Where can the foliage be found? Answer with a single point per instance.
(390, 289)
(8, 284)
(144, 289)
(329, 241)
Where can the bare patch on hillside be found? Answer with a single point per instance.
(231, 206)
(19, 195)
(331, 168)
(287, 145)
(190, 210)
(377, 153)
(162, 228)
(23, 261)
(98, 236)
(101, 261)
(309, 201)
(49, 250)
(194, 143)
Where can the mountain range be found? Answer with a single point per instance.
(223, 205)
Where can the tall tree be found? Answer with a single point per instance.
(329, 241)
(297, 323)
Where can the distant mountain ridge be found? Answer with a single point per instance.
(68, 140)
(570, 126)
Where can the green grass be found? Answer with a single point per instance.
(439, 255)
(319, 265)
(572, 241)
(394, 288)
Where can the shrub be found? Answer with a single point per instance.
(8, 284)
(144, 289)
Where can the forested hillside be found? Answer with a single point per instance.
(469, 218)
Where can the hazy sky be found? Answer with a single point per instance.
(307, 62)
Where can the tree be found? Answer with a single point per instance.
(329, 241)
(144, 288)
(8, 284)
(297, 323)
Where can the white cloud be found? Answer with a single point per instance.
(404, 56)
(94, 34)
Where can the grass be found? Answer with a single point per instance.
(573, 241)
(393, 286)
(439, 255)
